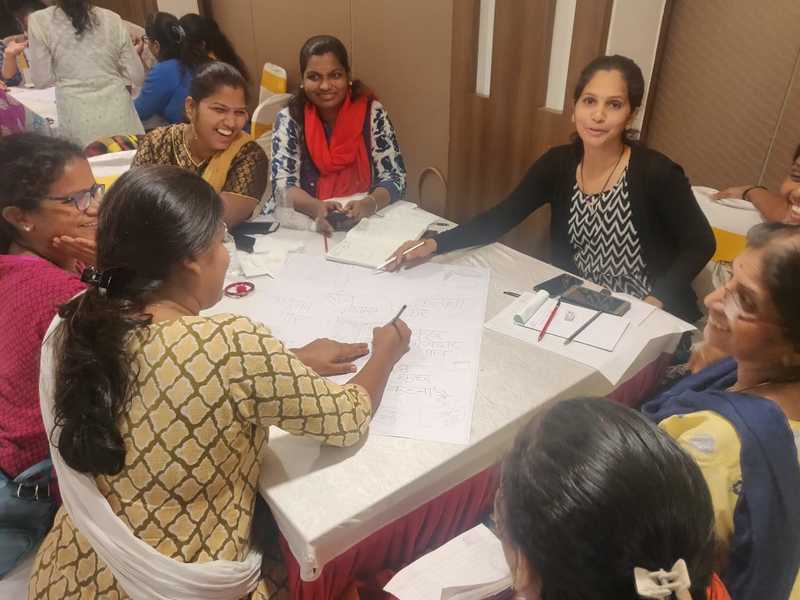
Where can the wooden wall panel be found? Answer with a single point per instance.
(410, 73)
(135, 11)
(787, 136)
(235, 18)
(722, 86)
(494, 140)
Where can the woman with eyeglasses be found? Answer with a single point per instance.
(49, 206)
(740, 417)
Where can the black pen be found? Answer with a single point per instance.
(512, 294)
(582, 327)
(397, 316)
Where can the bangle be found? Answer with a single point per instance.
(752, 187)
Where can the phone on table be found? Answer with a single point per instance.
(556, 286)
(583, 296)
(339, 220)
(255, 228)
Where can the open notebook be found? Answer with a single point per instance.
(373, 240)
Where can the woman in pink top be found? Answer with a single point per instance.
(48, 211)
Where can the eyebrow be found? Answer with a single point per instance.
(221, 105)
(593, 95)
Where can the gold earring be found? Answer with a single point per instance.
(28, 228)
(350, 83)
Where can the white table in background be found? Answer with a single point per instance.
(326, 499)
(41, 101)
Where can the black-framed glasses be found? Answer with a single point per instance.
(82, 199)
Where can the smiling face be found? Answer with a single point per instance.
(790, 189)
(57, 217)
(743, 321)
(603, 111)
(325, 81)
(219, 118)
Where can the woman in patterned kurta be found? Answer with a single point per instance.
(87, 54)
(217, 113)
(327, 104)
(203, 390)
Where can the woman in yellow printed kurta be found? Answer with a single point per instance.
(202, 393)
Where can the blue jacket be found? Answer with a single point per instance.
(164, 91)
(765, 547)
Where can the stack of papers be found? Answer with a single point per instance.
(469, 567)
(268, 257)
(373, 240)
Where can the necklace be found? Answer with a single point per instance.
(189, 152)
(616, 164)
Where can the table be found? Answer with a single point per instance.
(41, 101)
(326, 500)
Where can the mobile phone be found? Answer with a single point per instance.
(559, 284)
(583, 296)
(256, 227)
(339, 220)
(245, 243)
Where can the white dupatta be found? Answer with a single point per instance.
(141, 570)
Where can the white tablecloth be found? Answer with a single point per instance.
(41, 101)
(326, 499)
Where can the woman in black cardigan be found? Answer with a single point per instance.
(623, 216)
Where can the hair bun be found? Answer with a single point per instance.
(178, 33)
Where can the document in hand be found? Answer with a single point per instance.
(469, 567)
(373, 240)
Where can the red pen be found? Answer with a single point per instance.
(549, 320)
(325, 238)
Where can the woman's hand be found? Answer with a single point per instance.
(415, 257)
(321, 219)
(731, 192)
(654, 301)
(391, 341)
(329, 357)
(81, 249)
(361, 209)
(14, 48)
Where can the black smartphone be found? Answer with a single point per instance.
(559, 284)
(256, 227)
(583, 296)
(245, 243)
(339, 220)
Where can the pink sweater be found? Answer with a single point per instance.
(31, 289)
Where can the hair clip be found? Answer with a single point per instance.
(662, 584)
(95, 278)
(239, 289)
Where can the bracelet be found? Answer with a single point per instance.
(752, 187)
(375, 200)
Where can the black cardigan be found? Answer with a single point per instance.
(676, 238)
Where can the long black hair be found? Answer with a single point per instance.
(30, 164)
(592, 489)
(150, 220)
(165, 29)
(204, 36)
(317, 46)
(79, 13)
(634, 81)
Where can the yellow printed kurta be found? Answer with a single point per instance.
(204, 393)
(714, 444)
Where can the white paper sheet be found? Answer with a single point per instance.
(470, 565)
(431, 391)
(373, 240)
(604, 332)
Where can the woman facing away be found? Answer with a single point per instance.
(623, 216)
(158, 417)
(334, 140)
(596, 502)
(205, 37)
(86, 52)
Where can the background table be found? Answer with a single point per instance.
(41, 101)
(330, 502)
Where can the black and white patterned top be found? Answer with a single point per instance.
(605, 241)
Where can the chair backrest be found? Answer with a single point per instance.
(273, 81)
(264, 118)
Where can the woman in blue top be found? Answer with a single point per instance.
(167, 85)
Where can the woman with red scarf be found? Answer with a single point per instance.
(335, 140)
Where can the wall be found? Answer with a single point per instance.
(178, 7)
(728, 97)
(400, 49)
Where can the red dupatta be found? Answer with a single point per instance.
(343, 163)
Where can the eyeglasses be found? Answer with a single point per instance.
(736, 307)
(82, 199)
